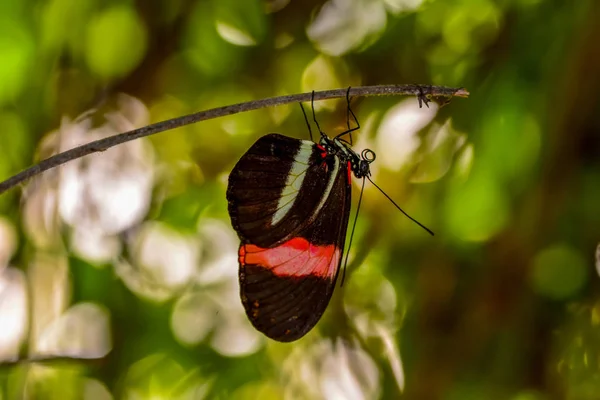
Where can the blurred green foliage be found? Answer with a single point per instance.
(123, 264)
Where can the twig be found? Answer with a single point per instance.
(424, 92)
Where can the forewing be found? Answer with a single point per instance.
(276, 189)
(285, 289)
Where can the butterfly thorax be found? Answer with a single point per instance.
(358, 164)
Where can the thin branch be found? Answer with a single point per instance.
(424, 93)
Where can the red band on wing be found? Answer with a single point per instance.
(296, 257)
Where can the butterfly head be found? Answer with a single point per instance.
(359, 164)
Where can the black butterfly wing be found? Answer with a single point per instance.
(277, 188)
(286, 288)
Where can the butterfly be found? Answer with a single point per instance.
(289, 201)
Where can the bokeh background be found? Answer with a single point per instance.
(118, 271)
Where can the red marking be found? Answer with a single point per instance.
(323, 151)
(242, 255)
(296, 257)
(323, 156)
(349, 173)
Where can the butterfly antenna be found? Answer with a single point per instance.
(348, 113)
(312, 106)
(352, 232)
(306, 120)
(401, 210)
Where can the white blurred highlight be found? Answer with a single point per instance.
(163, 261)
(392, 353)
(167, 255)
(40, 216)
(100, 195)
(339, 370)
(374, 317)
(93, 247)
(82, 332)
(13, 312)
(323, 73)
(50, 293)
(220, 249)
(397, 138)
(344, 25)
(349, 373)
(192, 318)
(8, 241)
(136, 280)
(107, 193)
(236, 338)
(234, 35)
(398, 6)
(464, 161)
(212, 309)
(439, 146)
